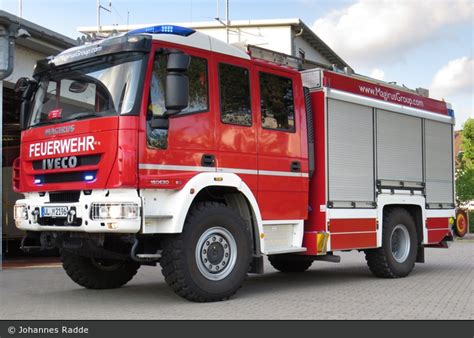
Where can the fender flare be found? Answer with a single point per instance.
(165, 211)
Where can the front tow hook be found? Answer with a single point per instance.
(71, 216)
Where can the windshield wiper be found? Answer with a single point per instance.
(80, 116)
(73, 117)
(42, 123)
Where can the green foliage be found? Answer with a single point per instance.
(465, 185)
(465, 168)
(468, 141)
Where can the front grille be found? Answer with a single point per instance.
(76, 176)
(81, 161)
(64, 196)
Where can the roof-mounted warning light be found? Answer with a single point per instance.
(164, 29)
(450, 110)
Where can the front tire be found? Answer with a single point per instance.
(210, 259)
(93, 273)
(396, 258)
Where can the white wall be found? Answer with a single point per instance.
(25, 60)
(277, 38)
(311, 53)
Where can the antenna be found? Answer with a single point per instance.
(227, 21)
(99, 7)
(20, 8)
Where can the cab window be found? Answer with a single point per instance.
(277, 103)
(234, 87)
(198, 96)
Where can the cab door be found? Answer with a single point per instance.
(171, 150)
(282, 154)
(236, 135)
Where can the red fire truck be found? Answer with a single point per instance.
(166, 145)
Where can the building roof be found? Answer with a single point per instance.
(42, 39)
(299, 26)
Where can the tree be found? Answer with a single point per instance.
(465, 169)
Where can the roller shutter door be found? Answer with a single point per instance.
(439, 159)
(350, 152)
(399, 147)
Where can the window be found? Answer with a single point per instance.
(91, 90)
(277, 106)
(198, 96)
(198, 86)
(234, 89)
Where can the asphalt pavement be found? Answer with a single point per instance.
(441, 288)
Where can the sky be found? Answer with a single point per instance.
(425, 44)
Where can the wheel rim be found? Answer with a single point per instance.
(400, 243)
(216, 253)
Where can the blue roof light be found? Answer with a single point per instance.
(450, 112)
(164, 29)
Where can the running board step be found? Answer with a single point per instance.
(278, 251)
(156, 256)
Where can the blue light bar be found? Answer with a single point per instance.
(89, 177)
(164, 29)
(450, 112)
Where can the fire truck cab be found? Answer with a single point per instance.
(166, 145)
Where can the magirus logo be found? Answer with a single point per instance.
(59, 130)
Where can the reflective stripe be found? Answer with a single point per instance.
(237, 171)
(150, 166)
(281, 173)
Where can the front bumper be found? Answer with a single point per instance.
(33, 202)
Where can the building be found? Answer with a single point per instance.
(38, 43)
(287, 36)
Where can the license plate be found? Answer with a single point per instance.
(54, 211)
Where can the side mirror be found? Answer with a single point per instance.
(78, 87)
(21, 85)
(177, 83)
(25, 88)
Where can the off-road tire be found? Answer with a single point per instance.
(381, 261)
(286, 264)
(86, 271)
(180, 264)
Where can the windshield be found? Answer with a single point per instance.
(102, 87)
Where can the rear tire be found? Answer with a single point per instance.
(396, 258)
(289, 264)
(93, 273)
(210, 259)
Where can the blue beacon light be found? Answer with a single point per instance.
(164, 29)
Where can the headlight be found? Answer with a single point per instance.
(114, 210)
(20, 212)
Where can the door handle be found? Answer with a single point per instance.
(208, 160)
(296, 166)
